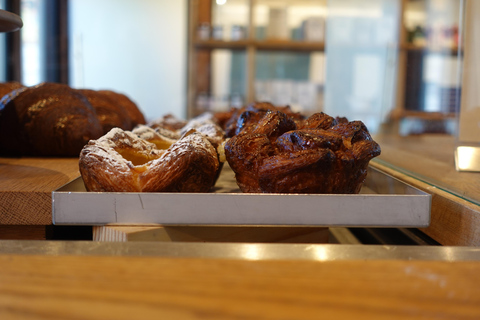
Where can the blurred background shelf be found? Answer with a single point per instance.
(259, 50)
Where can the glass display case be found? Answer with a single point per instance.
(396, 65)
(400, 66)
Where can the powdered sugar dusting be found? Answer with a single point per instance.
(148, 133)
(205, 125)
(118, 138)
(193, 140)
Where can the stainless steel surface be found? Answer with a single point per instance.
(467, 158)
(314, 252)
(384, 201)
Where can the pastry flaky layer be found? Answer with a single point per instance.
(120, 161)
(279, 154)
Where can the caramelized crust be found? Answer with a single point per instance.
(246, 118)
(7, 87)
(324, 156)
(169, 122)
(122, 162)
(49, 119)
(110, 113)
(133, 112)
(318, 121)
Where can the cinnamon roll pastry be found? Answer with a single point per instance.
(324, 156)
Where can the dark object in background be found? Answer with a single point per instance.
(49, 119)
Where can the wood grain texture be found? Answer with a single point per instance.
(26, 187)
(454, 221)
(87, 287)
(211, 234)
(23, 232)
(427, 162)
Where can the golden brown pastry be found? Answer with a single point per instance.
(169, 122)
(205, 124)
(133, 112)
(49, 119)
(109, 112)
(221, 118)
(162, 138)
(122, 162)
(323, 157)
(7, 87)
(174, 127)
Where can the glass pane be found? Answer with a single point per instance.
(227, 82)
(362, 42)
(291, 78)
(134, 47)
(290, 20)
(433, 66)
(33, 42)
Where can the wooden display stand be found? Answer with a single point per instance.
(26, 194)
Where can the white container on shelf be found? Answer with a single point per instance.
(277, 24)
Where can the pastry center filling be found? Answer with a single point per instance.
(162, 145)
(137, 158)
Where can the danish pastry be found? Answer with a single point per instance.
(120, 161)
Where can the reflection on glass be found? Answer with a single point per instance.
(433, 65)
(33, 50)
(362, 39)
(291, 78)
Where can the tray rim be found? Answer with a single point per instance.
(419, 194)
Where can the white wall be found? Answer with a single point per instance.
(135, 47)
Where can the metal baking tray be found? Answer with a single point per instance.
(383, 202)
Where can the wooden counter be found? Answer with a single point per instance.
(26, 188)
(72, 286)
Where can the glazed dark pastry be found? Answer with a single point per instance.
(169, 122)
(110, 113)
(49, 119)
(324, 156)
(318, 121)
(135, 115)
(245, 119)
(120, 161)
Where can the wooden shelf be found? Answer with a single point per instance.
(281, 45)
(428, 115)
(289, 45)
(429, 48)
(221, 44)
